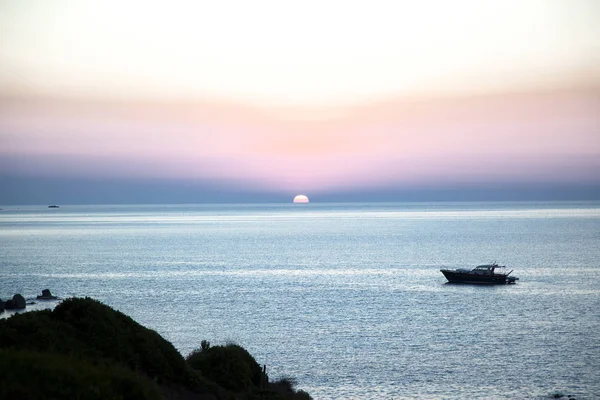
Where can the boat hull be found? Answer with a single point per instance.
(467, 277)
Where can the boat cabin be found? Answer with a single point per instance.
(485, 269)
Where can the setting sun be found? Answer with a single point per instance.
(301, 199)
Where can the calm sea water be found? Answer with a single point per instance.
(346, 298)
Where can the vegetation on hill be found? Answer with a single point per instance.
(84, 349)
(230, 366)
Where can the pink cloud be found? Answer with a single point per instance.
(518, 136)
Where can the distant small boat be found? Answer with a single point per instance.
(488, 273)
(53, 206)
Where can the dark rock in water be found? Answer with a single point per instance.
(17, 303)
(1, 305)
(46, 295)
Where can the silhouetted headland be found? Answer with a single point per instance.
(85, 349)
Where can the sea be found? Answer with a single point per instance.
(347, 299)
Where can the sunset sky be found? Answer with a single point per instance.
(116, 101)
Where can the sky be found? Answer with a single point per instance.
(236, 101)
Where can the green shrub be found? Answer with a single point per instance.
(230, 366)
(34, 375)
(285, 388)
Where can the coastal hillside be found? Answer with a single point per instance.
(86, 350)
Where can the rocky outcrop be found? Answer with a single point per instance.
(46, 295)
(16, 303)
